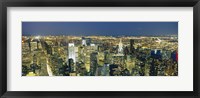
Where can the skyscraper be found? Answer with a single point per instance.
(174, 55)
(120, 49)
(71, 52)
(156, 54)
(131, 46)
(84, 42)
(71, 65)
(93, 63)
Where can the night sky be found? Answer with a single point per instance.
(100, 28)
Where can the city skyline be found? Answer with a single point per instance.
(100, 49)
(100, 28)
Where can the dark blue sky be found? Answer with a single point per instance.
(100, 28)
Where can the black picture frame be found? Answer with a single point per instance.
(99, 3)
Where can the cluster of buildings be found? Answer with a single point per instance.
(99, 56)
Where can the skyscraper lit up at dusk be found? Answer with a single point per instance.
(71, 51)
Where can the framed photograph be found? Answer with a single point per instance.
(87, 48)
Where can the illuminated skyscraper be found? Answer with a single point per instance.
(87, 61)
(84, 42)
(71, 52)
(100, 58)
(120, 49)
